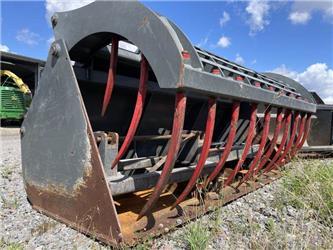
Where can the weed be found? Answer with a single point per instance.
(14, 246)
(6, 172)
(309, 186)
(10, 245)
(197, 235)
(270, 225)
(217, 221)
(146, 245)
(9, 204)
(2, 243)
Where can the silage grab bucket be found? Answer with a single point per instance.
(129, 118)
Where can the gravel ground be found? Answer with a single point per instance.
(254, 222)
(250, 222)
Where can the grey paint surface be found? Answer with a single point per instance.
(128, 184)
(305, 93)
(220, 86)
(162, 44)
(55, 146)
(135, 22)
(56, 129)
(108, 151)
(321, 133)
(195, 61)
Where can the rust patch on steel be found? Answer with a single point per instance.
(61, 190)
(145, 22)
(88, 208)
(186, 57)
(163, 220)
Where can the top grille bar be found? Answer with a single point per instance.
(226, 68)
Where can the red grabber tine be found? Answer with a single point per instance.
(263, 141)
(306, 132)
(229, 143)
(112, 74)
(282, 144)
(177, 128)
(137, 111)
(289, 144)
(267, 155)
(204, 153)
(248, 143)
(299, 137)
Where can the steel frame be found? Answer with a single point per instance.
(70, 181)
(163, 38)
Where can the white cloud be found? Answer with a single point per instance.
(328, 100)
(299, 17)
(239, 59)
(28, 37)
(4, 48)
(283, 70)
(63, 5)
(317, 77)
(225, 18)
(258, 12)
(254, 61)
(324, 7)
(328, 14)
(224, 42)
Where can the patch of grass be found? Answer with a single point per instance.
(270, 225)
(9, 204)
(146, 245)
(217, 221)
(10, 245)
(2, 243)
(197, 236)
(310, 186)
(6, 172)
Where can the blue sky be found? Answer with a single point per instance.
(293, 38)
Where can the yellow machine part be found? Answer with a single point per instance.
(17, 81)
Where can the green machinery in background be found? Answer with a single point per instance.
(15, 96)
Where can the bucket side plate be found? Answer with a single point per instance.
(62, 170)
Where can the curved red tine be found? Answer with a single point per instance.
(263, 141)
(299, 137)
(282, 144)
(279, 124)
(228, 145)
(111, 75)
(137, 110)
(175, 140)
(204, 153)
(248, 143)
(306, 132)
(289, 145)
